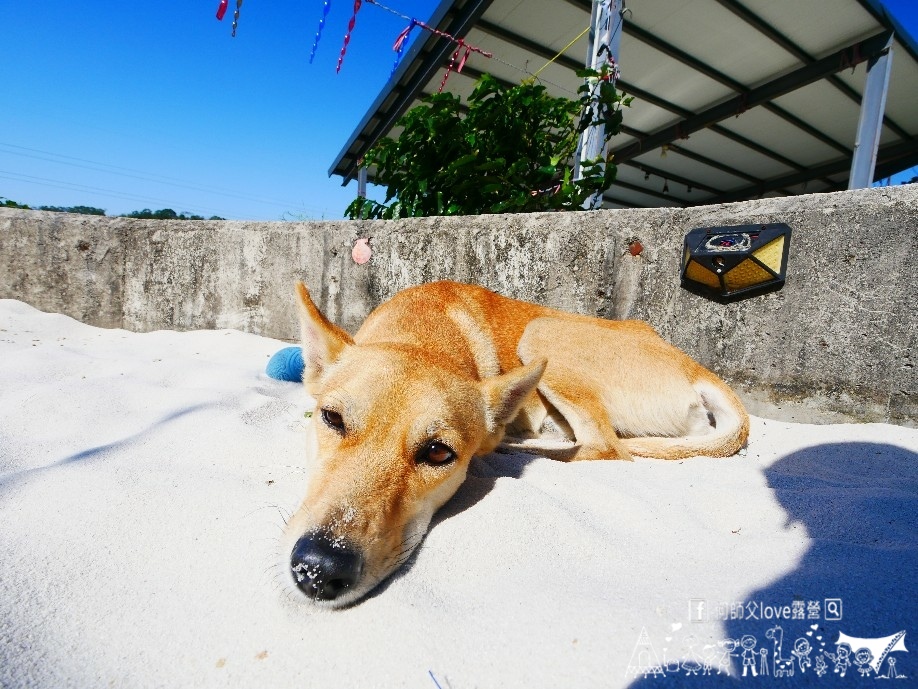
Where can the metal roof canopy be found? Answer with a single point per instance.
(733, 100)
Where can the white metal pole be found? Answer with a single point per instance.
(606, 39)
(870, 123)
(588, 62)
(362, 182)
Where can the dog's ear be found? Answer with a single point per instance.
(505, 395)
(322, 341)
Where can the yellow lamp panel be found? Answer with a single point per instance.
(747, 274)
(698, 273)
(771, 253)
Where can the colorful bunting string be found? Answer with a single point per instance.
(347, 36)
(236, 17)
(459, 57)
(465, 56)
(460, 43)
(399, 46)
(325, 8)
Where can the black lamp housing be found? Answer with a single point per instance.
(730, 261)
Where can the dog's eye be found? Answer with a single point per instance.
(333, 420)
(436, 453)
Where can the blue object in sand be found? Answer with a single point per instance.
(287, 364)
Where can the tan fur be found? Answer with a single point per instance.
(461, 365)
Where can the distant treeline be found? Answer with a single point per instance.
(145, 214)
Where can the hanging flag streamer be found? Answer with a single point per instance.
(452, 62)
(236, 17)
(325, 8)
(347, 36)
(469, 49)
(457, 61)
(403, 39)
(399, 46)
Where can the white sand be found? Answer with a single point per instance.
(143, 477)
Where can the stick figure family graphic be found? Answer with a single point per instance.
(868, 658)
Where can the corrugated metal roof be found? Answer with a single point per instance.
(733, 100)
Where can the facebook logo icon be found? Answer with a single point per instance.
(697, 609)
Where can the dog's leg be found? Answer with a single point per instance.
(624, 390)
(564, 423)
(560, 452)
(580, 405)
(570, 388)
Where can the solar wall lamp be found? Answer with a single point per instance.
(730, 261)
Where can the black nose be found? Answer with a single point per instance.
(324, 568)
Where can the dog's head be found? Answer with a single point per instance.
(392, 435)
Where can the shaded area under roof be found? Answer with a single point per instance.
(733, 100)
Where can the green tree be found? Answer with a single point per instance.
(7, 203)
(167, 214)
(509, 151)
(82, 210)
(146, 213)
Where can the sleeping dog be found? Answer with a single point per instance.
(446, 371)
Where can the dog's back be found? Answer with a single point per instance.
(612, 380)
(472, 326)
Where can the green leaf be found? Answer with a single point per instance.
(464, 160)
(491, 165)
(488, 157)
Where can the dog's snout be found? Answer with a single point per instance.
(325, 569)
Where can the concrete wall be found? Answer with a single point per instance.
(837, 343)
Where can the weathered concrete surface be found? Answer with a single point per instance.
(73, 264)
(837, 343)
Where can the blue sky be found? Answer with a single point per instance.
(129, 105)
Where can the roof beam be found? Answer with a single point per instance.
(585, 5)
(526, 44)
(428, 55)
(697, 157)
(903, 161)
(835, 62)
(703, 68)
(644, 190)
(475, 74)
(626, 87)
(776, 36)
(755, 21)
(704, 160)
(718, 129)
(771, 32)
(889, 158)
(669, 176)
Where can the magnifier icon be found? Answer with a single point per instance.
(833, 608)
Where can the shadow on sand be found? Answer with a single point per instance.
(859, 505)
(482, 476)
(92, 453)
